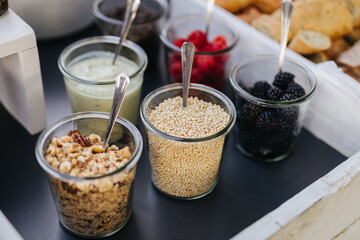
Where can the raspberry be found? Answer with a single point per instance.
(179, 42)
(174, 58)
(196, 76)
(219, 43)
(218, 71)
(206, 48)
(175, 71)
(198, 38)
(205, 63)
(207, 69)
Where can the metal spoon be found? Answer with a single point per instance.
(121, 87)
(131, 10)
(187, 57)
(209, 10)
(286, 11)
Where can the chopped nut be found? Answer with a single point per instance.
(125, 153)
(65, 167)
(81, 139)
(98, 149)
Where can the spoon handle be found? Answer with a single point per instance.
(131, 9)
(121, 86)
(209, 10)
(187, 57)
(286, 11)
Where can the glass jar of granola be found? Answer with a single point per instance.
(92, 186)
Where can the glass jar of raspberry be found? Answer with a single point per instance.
(211, 52)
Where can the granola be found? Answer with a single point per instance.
(97, 206)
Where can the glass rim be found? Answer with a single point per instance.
(171, 46)
(83, 115)
(264, 102)
(193, 86)
(98, 14)
(100, 39)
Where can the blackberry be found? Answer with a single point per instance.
(287, 97)
(265, 121)
(260, 88)
(274, 93)
(248, 113)
(286, 119)
(295, 89)
(283, 79)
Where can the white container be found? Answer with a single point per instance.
(54, 18)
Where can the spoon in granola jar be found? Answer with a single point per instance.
(286, 11)
(187, 57)
(121, 87)
(130, 14)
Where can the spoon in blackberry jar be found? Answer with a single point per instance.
(121, 87)
(286, 11)
(187, 57)
(130, 14)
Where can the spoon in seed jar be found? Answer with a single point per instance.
(209, 10)
(121, 87)
(130, 14)
(286, 11)
(187, 57)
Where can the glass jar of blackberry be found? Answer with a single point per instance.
(271, 105)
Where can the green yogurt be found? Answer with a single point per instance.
(97, 95)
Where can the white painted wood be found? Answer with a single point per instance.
(7, 230)
(16, 35)
(327, 209)
(21, 89)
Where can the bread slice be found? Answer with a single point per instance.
(354, 8)
(352, 72)
(270, 26)
(249, 14)
(317, 57)
(330, 17)
(308, 42)
(338, 45)
(233, 5)
(350, 57)
(267, 6)
(353, 37)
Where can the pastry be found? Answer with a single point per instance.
(308, 42)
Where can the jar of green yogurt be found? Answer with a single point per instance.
(90, 76)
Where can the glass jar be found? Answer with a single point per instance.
(88, 91)
(95, 206)
(185, 168)
(109, 16)
(266, 130)
(209, 67)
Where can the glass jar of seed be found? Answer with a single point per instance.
(186, 145)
